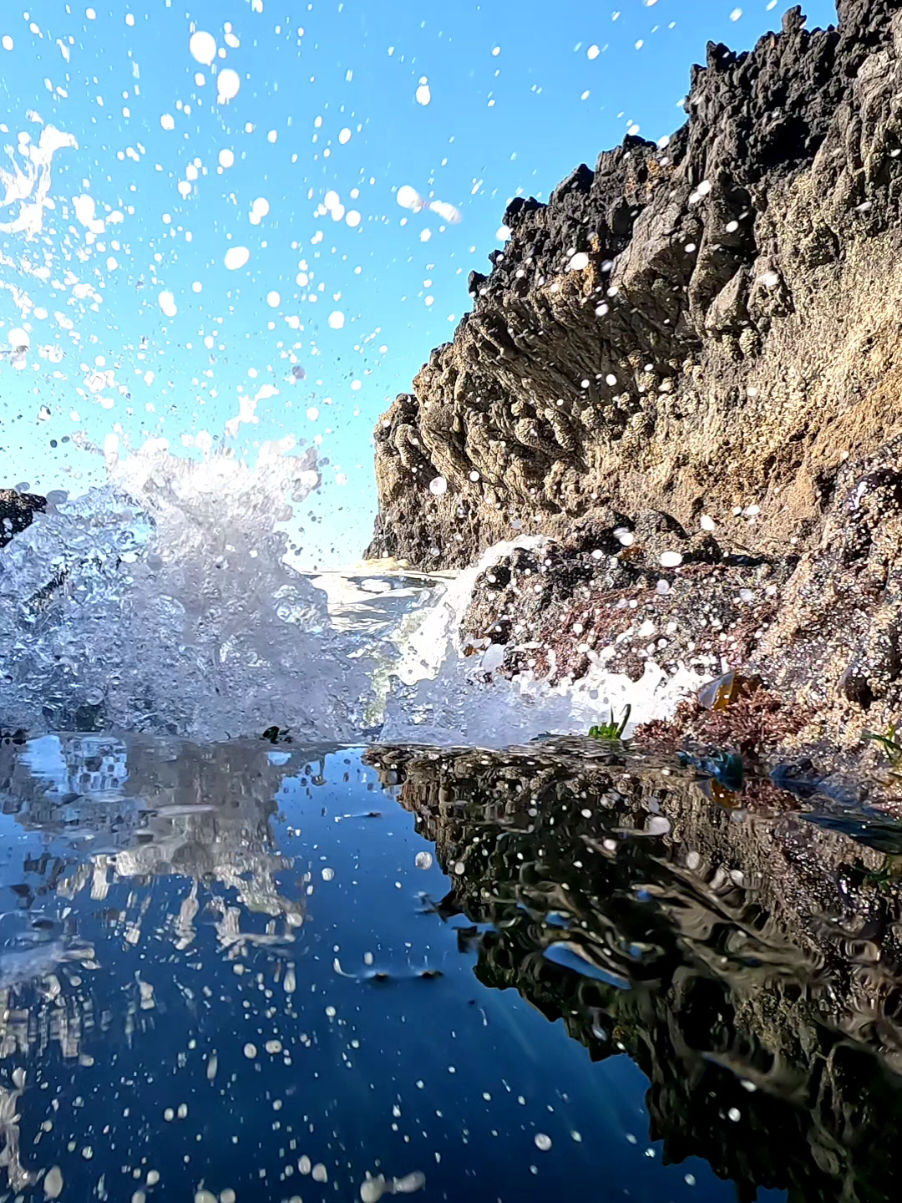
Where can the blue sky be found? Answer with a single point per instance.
(119, 280)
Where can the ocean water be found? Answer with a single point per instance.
(253, 971)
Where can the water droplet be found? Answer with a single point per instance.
(203, 48)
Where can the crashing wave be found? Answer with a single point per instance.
(162, 602)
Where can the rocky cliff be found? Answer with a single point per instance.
(708, 326)
(692, 352)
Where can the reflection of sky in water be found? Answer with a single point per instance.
(220, 1021)
(210, 256)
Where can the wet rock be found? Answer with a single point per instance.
(836, 645)
(16, 512)
(603, 597)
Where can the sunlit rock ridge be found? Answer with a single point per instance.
(703, 325)
(689, 355)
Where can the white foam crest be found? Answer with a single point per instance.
(161, 602)
(439, 695)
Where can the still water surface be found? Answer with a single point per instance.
(248, 972)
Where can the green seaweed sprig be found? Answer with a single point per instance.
(611, 730)
(889, 743)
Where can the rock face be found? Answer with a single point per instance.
(16, 512)
(750, 966)
(703, 327)
(836, 644)
(684, 371)
(588, 600)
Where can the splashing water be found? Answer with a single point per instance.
(442, 696)
(161, 602)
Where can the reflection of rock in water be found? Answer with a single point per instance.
(152, 811)
(763, 955)
(198, 812)
(19, 1177)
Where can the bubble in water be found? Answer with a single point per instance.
(226, 158)
(336, 319)
(671, 559)
(345, 136)
(203, 47)
(424, 94)
(273, 300)
(438, 486)
(543, 1142)
(424, 860)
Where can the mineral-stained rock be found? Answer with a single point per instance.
(701, 327)
(16, 512)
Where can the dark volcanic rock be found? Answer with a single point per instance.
(699, 327)
(16, 512)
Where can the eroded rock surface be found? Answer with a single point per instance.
(695, 328)
(695, 345)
